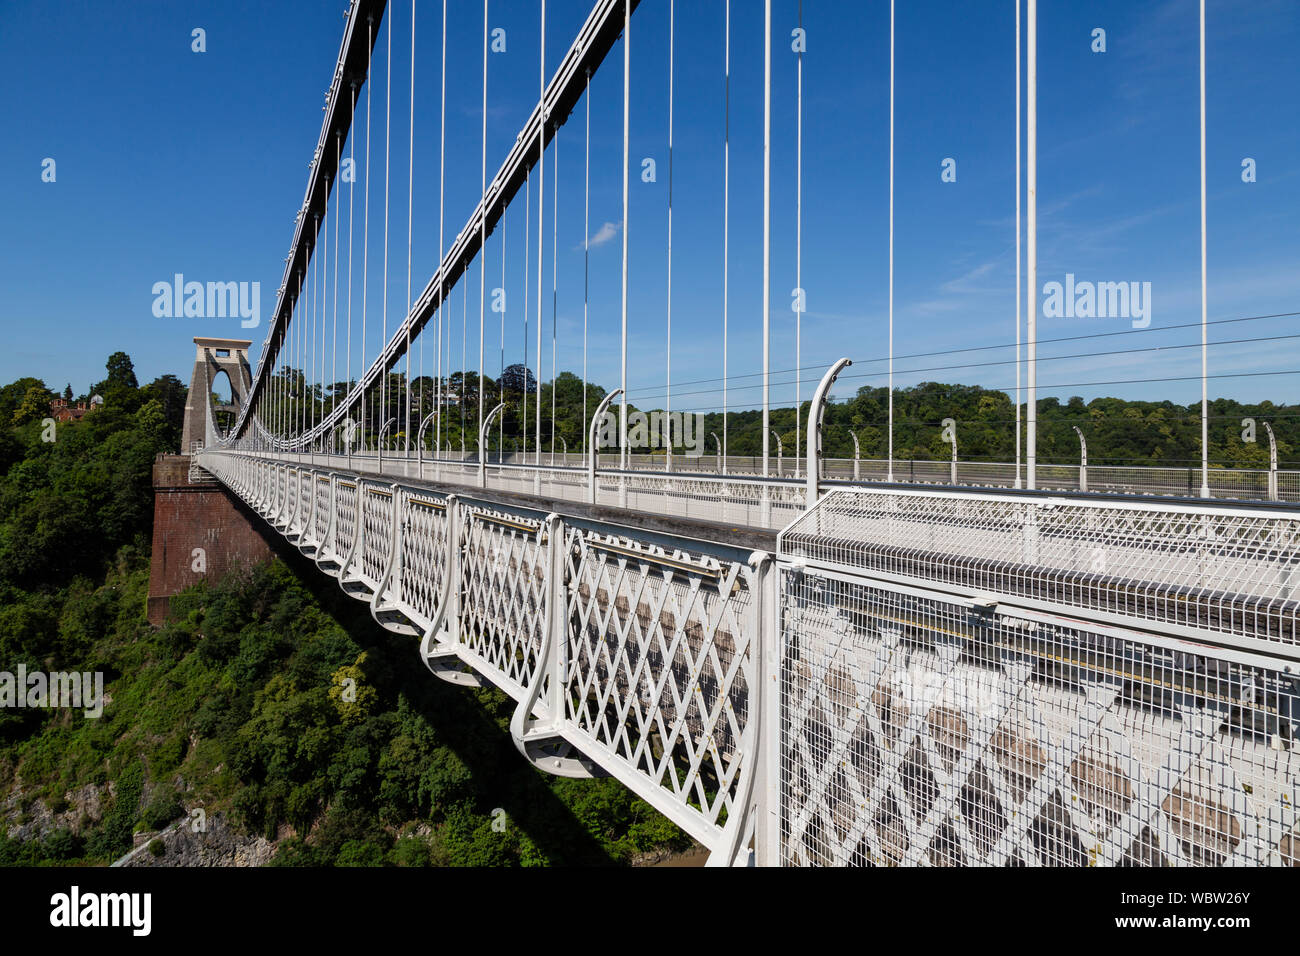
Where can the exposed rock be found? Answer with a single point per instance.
(217, 845)
(33, 819)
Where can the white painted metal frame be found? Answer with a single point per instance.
(629, 653)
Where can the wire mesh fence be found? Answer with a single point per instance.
(920, 730)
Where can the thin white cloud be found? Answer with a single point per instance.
(605, 233)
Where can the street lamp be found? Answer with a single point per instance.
(1272, 463)
(1083, 459)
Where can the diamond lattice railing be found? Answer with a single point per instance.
(376, 539)
(659, 665)
(424, 556)
(345, 518)
(503, 593)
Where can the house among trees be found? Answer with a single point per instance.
(62, 410)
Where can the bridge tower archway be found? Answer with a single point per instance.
(214, 358)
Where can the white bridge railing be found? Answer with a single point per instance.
(919, 677)
(628, 653)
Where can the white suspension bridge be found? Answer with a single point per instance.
(799, 660)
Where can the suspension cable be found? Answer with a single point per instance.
(365, 239)
(334, 346)
(586, 245)
(528, 234)
(410, 195)
(555, 259)
(482, 242)
(1019, 395)
(352, 188)
(798, 242)
(891, 241)
(767, 229)
(668, 370)
(726, 217)
(388, 149)
(501, 380)
(627, 72)
(464, 353)
(541, 216)
(442, 183)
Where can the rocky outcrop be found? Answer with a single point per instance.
(184, 843)
(33, 819)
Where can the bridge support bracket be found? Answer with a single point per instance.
(442, 657)
(383, 611)
(540, 740)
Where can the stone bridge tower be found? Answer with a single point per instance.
(200, 530)
(213, 356)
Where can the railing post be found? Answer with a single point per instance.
(455, 515)
(391, 568)
(815, 411)
(538, 740)
(331, 532)
(309, 526)
(758, 802)
(557, 616)
(857, 456)
(399, 524)
(770, 710)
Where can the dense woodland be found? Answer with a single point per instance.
(234, 704)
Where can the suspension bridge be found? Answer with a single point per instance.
(800, 660)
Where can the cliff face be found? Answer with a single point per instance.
(184, 844)
(23, 818)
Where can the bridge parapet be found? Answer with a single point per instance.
(918, 677)
(629, 652)
(971, 681)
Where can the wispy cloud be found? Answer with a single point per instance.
(969, 282)
(605, 233)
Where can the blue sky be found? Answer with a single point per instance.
(173, 161)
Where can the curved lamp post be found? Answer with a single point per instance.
(1083, 459)
(592, 449)
(815, 410)
(482, 452)
(380, 442)
(419, 441)
(1272, 463)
